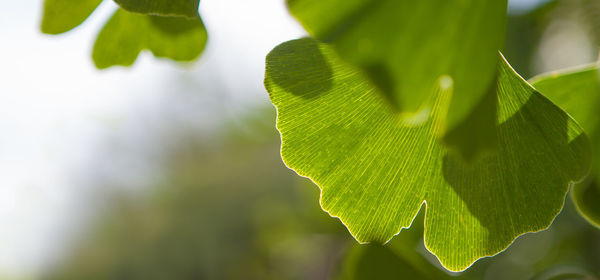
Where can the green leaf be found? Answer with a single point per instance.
(187, 8)
(127, 34)
(577, 91)
(63, 15)
(406, 46)
(376, 168)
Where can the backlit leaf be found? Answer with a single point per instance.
(127, 34)
(377, 168)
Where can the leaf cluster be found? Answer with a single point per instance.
(170, 29)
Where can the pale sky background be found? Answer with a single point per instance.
(67, 129)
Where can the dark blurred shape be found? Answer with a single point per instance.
(378, 262)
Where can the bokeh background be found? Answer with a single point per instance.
(171, 171)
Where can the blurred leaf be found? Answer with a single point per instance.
(63, 15)
(586, 198)
(127, 34)
(577, 91)
(398, 257)
(375, 169)
(378, 262)
(188, 8)
(406, 46)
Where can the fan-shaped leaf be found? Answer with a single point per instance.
(376, 168)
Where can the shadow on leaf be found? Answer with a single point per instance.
(495, 186)
(291, 64)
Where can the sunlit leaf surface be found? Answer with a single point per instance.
(578, 92)
(406, 46)
(376, 168)
(188, 8)
(127, 34)
(63, 15)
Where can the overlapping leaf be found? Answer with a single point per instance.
(405, 46)
(578, 92)
(376, 168)
(377, 262)
(171, 29)
(398, 257)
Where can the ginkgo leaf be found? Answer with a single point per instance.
(63, 15)
(577, 91)
(376, 168)
(187, 8)
(127, 34)
(405, 46)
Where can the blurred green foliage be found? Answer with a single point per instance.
(225, 209)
